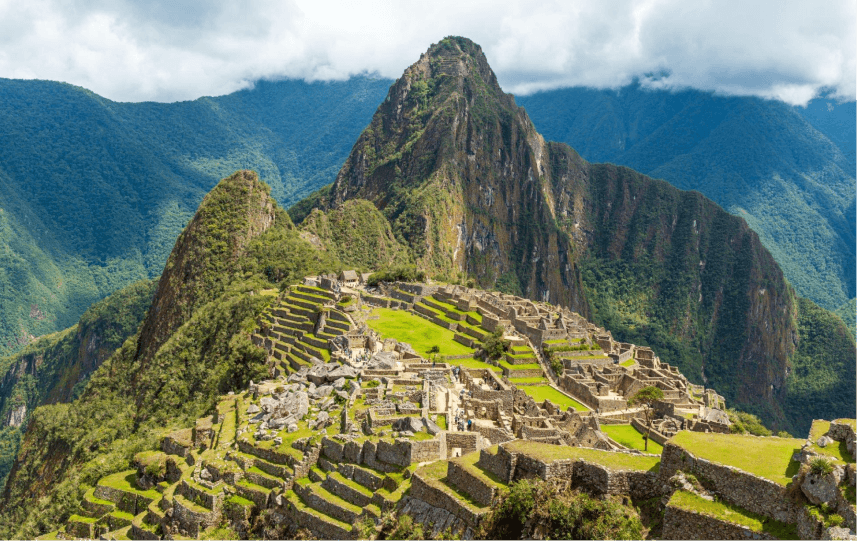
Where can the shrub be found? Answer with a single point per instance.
(371, 384)
(821, 466)
(494, 346)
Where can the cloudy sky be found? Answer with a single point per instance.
(168, 50)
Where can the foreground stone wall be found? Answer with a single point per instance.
(480, 492)
(681, 524)
(744, 489)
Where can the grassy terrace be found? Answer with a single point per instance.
(125, 481)
(468, 462)
(629, 362)
(474, 363)
(434, 474)
(836, 450)
(420, 333)
(514, 367)
(541, 392)
(628, 436)
(608, 459)
(730, 513)
(769, 457)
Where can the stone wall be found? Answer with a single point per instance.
(654, 435)
(840, 431)
(422, 489)
(681, 524)
(458, 475)
(321, 528)
(466, 441)
(744, 489)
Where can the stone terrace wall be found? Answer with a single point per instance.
(422, 490)
(654, 435)
(745, 490)
(840, 431)
(681, 524)
(481, 493)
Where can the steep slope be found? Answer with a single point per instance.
(464, 178)
(193, 346)
(788, 171)
(356, 234)
(56, 367)
(93, 192)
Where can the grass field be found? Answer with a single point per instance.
(628, 436)
(769, 457)
(420, 333)
(609, 459)
(541, 392)
(730, 513)
(836, 450)
(474, 363)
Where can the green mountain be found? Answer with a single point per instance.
(452, 177)
(467, 182)
(56, 367)
(788, 171)
(93, 192)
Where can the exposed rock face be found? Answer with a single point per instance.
(821, 488)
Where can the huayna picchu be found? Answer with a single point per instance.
(473, 333)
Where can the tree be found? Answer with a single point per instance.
(494, 345)
(647, 396)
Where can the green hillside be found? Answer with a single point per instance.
(94, 192)
(789, 172)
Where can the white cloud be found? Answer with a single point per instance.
(168, 50)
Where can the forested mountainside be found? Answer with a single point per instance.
(56, 367)
(467, 182)
(788, 171)
(94, 192)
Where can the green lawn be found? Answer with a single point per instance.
(836, 450)
(420, 333)
(730, 513)
(528, 380)
(514, 367)
(126, 481)
(609, 459)
(628, 436)
(541, 392)
(769, 457)
(629, 362)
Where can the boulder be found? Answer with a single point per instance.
(404, 424)
(824, 441)
(253, 409)
(837, 532)
(323, 391)
(296, 378)
(431, 426)
(339, 384)
(820, 489)
(293, 427)
(342, 394)
(317, 374)
(342, 372)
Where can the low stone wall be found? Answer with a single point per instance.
(458, 475)
(744, 489)
(328, 508)
(493, 434)
(265, 454)
(125, 501)
(840, 431)
(80, 530)
(141, 533)
(192, 521)
(201, 497)
(496, 463)
(466, 441)
(808, 527)
(654, 435)
(321, 528)
(422, 490)
(681, 524)
(346, 492)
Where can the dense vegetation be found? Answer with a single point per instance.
(790, 172)
(94, 192)
(57, 367)
(188, 352)
(549, 510)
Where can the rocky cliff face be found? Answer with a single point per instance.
(464, 178)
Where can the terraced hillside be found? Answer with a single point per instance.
(357, 428)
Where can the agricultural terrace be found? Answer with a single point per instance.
(769, 457)
(421, 334)
(541, 392)
(631, 438)
(616, 461)
(731, 513)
